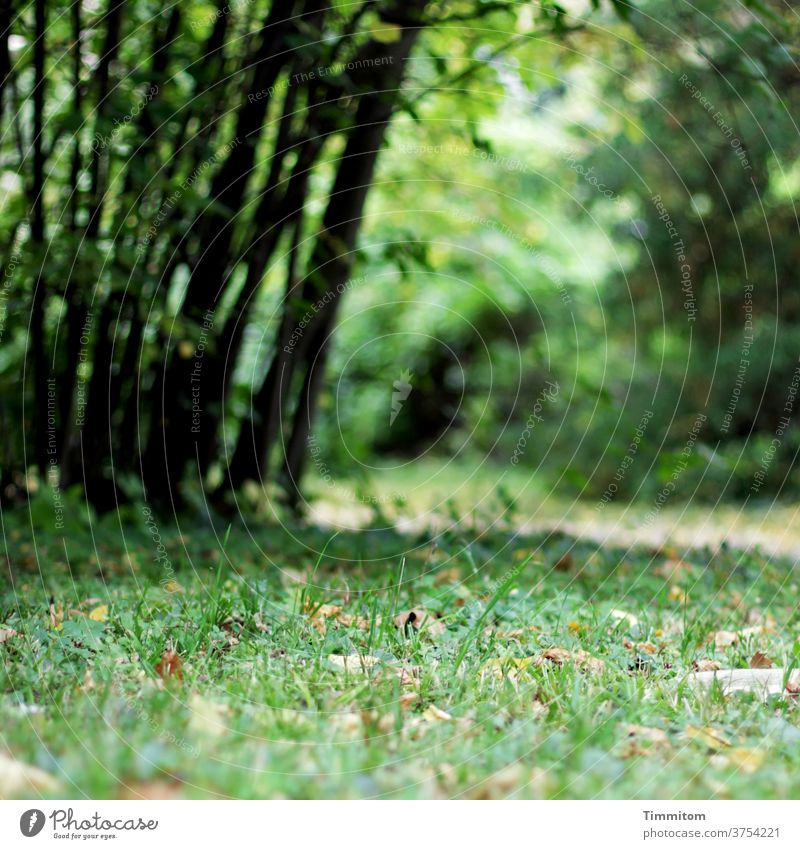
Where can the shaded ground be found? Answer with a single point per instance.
(532, 666)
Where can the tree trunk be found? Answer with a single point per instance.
(329, 269)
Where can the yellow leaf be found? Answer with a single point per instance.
(434, 714)
(746, 760)
(172, 587)
(709, 737)
(99, 613)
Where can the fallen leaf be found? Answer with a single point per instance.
(557, 655)
(747, 761)
(172, 587)
(20, 780)
(434, 714)
(99, 614)
(7, 633)
(564, 563)
(646, 647)
(644, 741)
(582, 659)
(760, 661)
(319, 614)
(353, 662)
(709, 737)
(170, 665)
(407, 700)
(725, 639)
(420, 620)
(656, 736)
(706, 665)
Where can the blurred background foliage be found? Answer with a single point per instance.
(530, 247)
(543, 162)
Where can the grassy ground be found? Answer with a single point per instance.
(532, 667)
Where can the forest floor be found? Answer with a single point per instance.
(385, 664)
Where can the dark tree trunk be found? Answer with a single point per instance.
(179, 427)
(110, 50)
(329, 269)
(38, 345)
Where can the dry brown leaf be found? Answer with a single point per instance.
(657, 736)
(408, 699)
(557, 655)
(170, 665)
(706, 665)
(7, 633)
(646, 647)
(644, 741)
(319, 614)
(582, 659)
(564, 563)
(760, 661)
(420, 620)
(20, 780)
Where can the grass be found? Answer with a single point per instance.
(291, 677)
